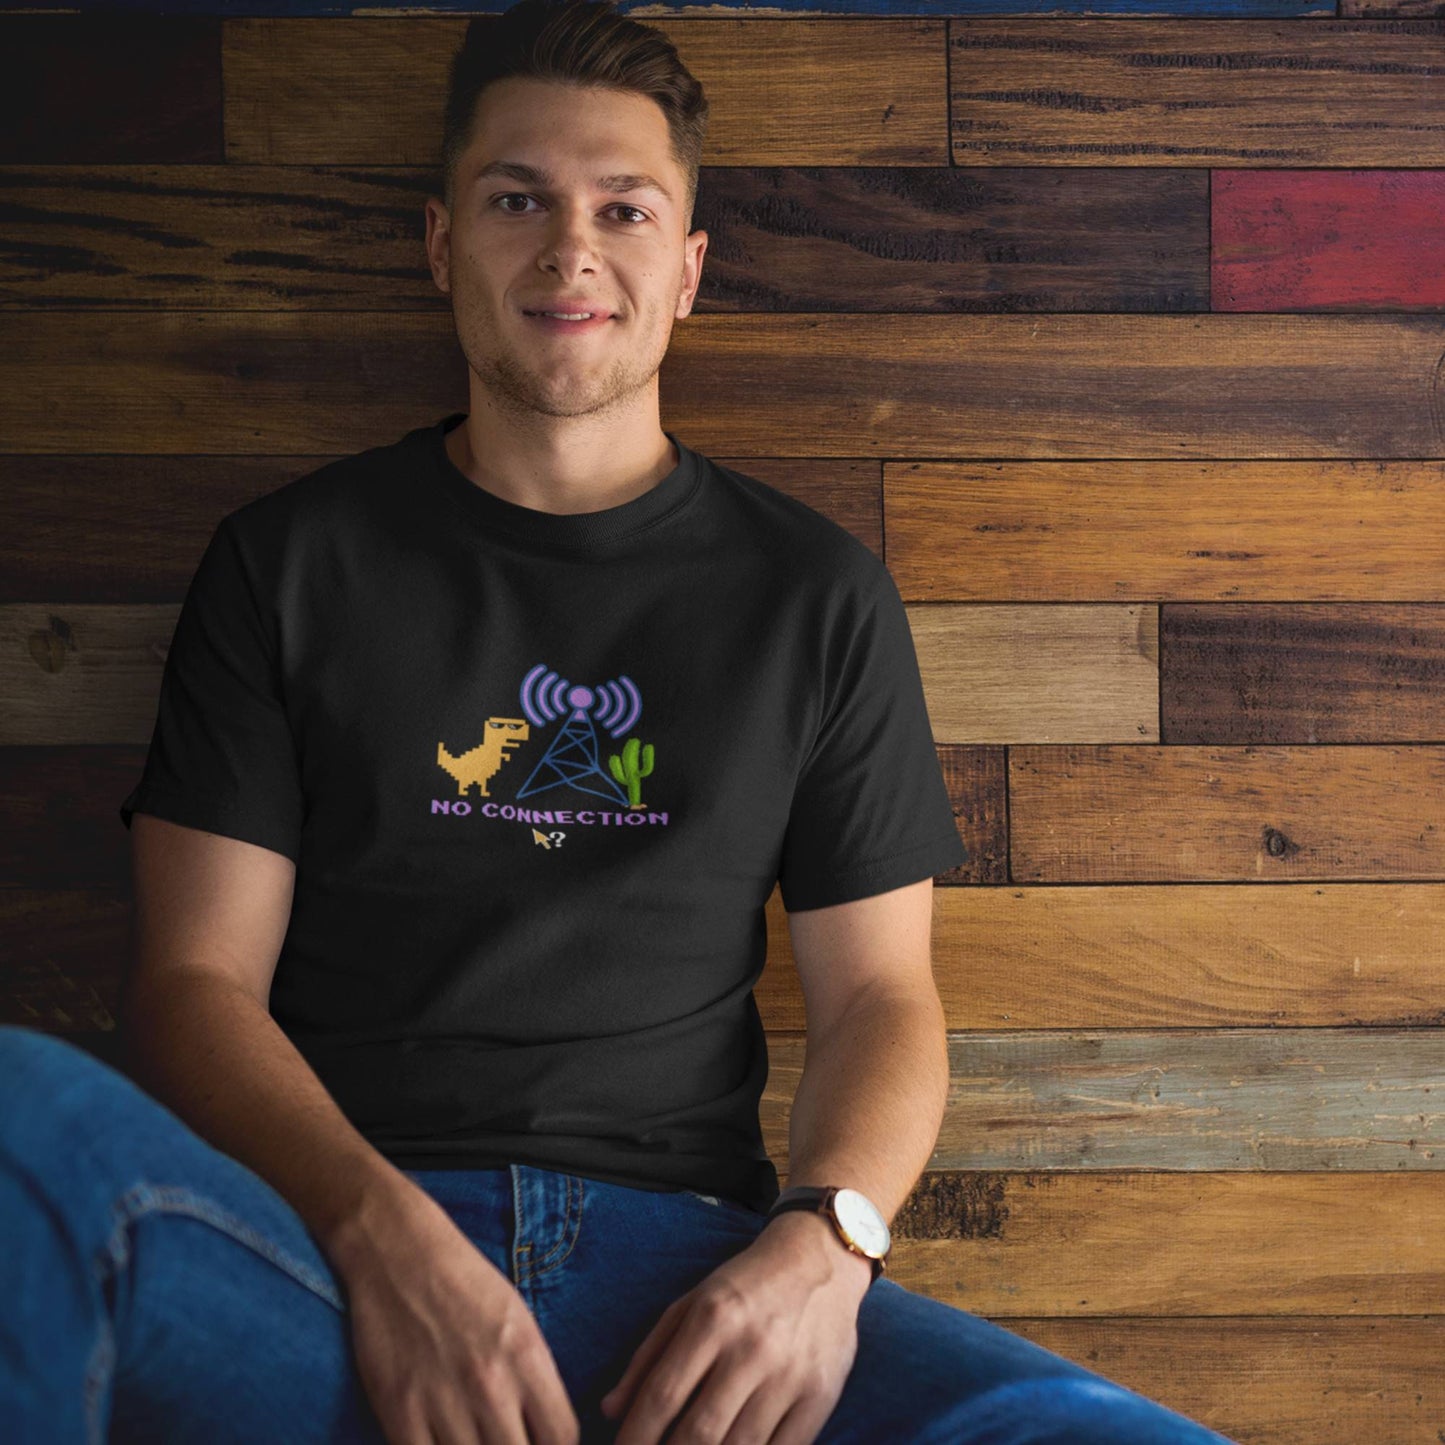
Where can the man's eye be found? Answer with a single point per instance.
(522, 196)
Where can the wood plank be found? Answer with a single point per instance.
(998, 673)
(814, 91)
(828, 385)
(841, 238)
(91, 672)
(60, 823)
(1215, 1099)
(1169, 813)
(1083, 531)
(1273, 1381)
(84, 674)
(780, 8)
(1199, 91)
(1139, 956)
(1315, 956)
(976, 778)
(131, 528)
(1157, 1243)
(1306, 673)
(1328, 239)
(108, 89)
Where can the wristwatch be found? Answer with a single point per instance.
(855, 1217)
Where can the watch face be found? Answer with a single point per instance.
(862, 1221)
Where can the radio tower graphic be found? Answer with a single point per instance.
(571, 758)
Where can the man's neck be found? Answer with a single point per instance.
(573, 487)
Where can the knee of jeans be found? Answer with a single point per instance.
(1068, 1409)
(33, 1066)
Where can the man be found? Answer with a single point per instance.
(477, 758)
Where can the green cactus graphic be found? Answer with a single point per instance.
(627, 770)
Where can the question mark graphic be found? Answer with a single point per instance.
(556, 838)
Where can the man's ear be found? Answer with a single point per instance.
(439, 243)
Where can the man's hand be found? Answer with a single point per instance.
(770, 1337)
(445, 1346)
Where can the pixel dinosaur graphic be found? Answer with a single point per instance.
(479, 765)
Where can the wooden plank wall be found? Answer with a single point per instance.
(1121, 338)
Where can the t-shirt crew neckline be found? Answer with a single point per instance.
(575, 530)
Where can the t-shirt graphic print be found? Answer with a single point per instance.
(539, 774)
(574, 758)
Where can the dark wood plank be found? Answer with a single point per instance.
(769, 385)
(977, 782)
(644, 10)
(865, 238)
(1328, 240)
(836, 90)
(1190, 531)
(131, 528)
(1169, 813)
(107, 89)
(59, 821)
(1302, 673)
(1197, 92)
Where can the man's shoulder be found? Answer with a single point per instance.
(808, 541)
(330, 492)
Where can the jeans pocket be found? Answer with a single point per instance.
(726, 1206)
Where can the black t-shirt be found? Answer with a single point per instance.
(539, 774)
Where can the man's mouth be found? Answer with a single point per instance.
(570, 321)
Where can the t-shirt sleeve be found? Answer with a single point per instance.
(870, 809)
(222, 757)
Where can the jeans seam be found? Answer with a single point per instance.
(142, 1199)
(569, 1234)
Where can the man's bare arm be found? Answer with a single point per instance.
(197, 1032)
(439, 1333)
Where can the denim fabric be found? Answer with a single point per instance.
(154, 1289)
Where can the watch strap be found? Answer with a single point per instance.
(816, 1197)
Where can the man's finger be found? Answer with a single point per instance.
(665, 1389)
(616, 1401)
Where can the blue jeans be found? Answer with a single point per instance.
(154, 1289)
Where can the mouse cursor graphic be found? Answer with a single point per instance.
(542, 838)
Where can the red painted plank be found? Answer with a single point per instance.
(1325, 239)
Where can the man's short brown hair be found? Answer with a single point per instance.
(582, 42)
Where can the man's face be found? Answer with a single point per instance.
(514, 245)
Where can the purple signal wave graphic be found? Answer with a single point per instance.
(546, 696)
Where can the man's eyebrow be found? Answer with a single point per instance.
(535, 176)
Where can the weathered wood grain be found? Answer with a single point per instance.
(999, 673)
(1205, 92)
(1118, 813)
(1189, 955)
(1251, 1099)
(1327, 239)
(893, 386)
(1303, 673)
(1081, 531)
(831, 90)
(837, 238)
(977, 782)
